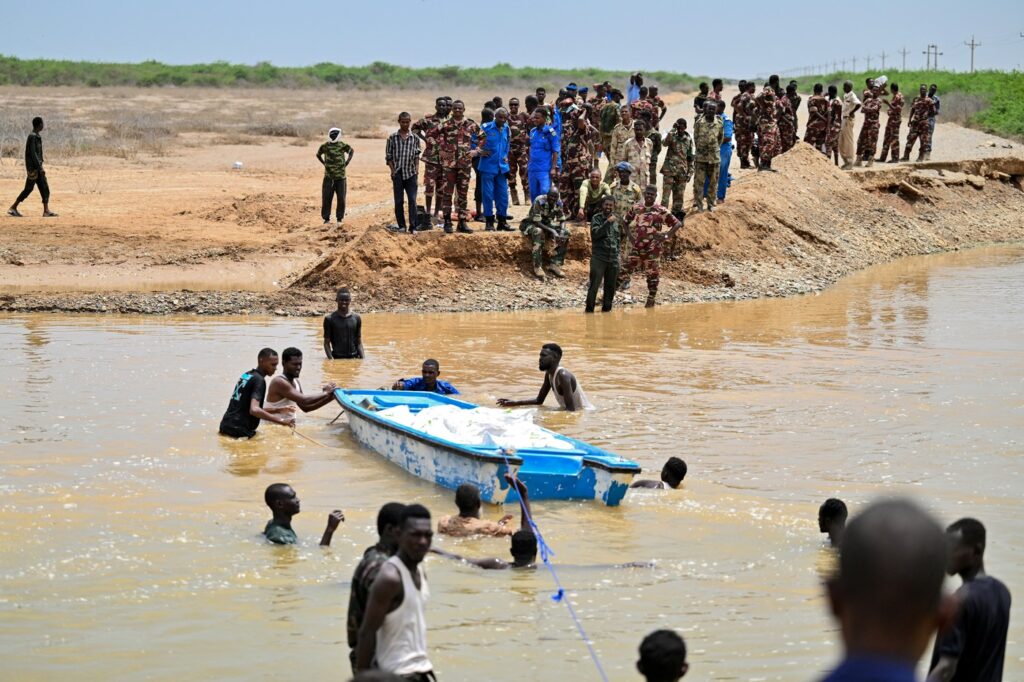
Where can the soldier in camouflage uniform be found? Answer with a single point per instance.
(767, 128)
(646, 221)
(660, 108)
(817, 119)
(609, 119)
(546, 221)
(433, 177)
(655, 137)
(625, 193)
(919, 127)
(786, 122)
(577, 162)
(459, 140)
(794, 101)
(835, 123)
(746, 123)
(708, 134)
(867, 142)
(637, 152)
(894, 113)
(643, 109)
(622, 133)
(519, 149)
(677, 169)
(678, 166)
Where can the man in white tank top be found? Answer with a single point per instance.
(285, 390)
(393, 636)
(568, 392)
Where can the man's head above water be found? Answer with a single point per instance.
(887, 594)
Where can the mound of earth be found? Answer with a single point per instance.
(267, 210)
(794, 230)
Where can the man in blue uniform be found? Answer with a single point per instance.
(544, 153)
(493, 169)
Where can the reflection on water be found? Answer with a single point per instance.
(130, 540)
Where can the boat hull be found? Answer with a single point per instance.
(582, 472)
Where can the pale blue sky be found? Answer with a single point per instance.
(703, 38)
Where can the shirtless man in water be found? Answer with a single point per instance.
(285, 391)
(524, 542)
(568, 391)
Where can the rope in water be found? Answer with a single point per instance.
(559, 596)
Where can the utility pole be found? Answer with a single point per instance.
(937, 53)
(928, 58)
(855, 64)
(835, 70)
(972, 45)
(883, 56)
(903, 52)
(868, 60)
(844, 65)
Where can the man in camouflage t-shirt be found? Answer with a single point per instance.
(335, 155)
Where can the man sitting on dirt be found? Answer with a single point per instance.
(568, 391)
(285, 391)
(672, 475)
(429, 382)
(468, 521)
(343, 330)
(546, 220)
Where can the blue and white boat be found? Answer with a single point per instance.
(577, 471)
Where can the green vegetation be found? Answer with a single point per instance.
(46, 72)
(992, 101)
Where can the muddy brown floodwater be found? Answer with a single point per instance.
(130, 544)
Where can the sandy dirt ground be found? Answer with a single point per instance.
(155, 218)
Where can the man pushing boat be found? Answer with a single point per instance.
(568, 392)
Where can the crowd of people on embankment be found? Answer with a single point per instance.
(550, 152)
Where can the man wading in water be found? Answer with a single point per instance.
(568, 391)
(394, 631)
(245, 409)
(343, 330)
(286, 391)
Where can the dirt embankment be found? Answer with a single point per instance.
(793, 231)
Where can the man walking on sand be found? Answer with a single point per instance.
(35, 173)
(335, 155)
(851, 105)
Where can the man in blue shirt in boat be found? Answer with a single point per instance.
(568, 391)
(429, 381)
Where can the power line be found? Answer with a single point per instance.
(904, 53)
(972, 45)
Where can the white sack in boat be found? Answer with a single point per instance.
(481, 426)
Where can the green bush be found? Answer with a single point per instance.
(48, 72)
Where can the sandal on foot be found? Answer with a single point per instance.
(13, 212)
